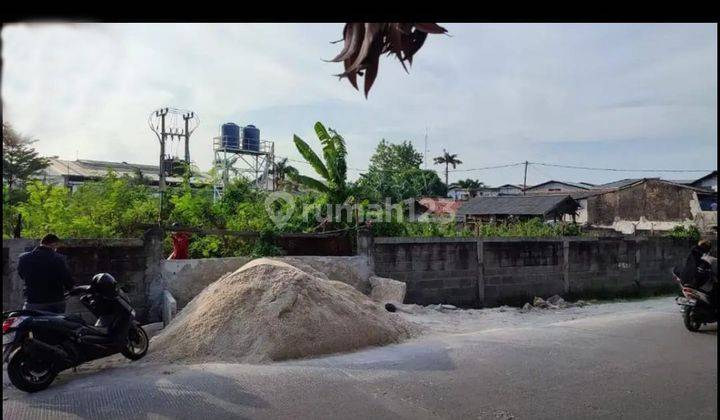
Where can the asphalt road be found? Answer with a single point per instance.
(634, 364)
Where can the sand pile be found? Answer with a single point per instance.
(270, 310)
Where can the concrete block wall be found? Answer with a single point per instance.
(476, 272)
(131, 261)
(434, 269)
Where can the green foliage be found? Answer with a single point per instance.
(534, 227)
(395, 173)
(112, 207)
(20, 161)
(468, 184)
(334, 168)
(681, 232)
(528, 228)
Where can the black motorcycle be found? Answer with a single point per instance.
(696, 306)
(38, 345)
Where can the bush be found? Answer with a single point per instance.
(691, 233)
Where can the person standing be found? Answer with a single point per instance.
(181, 243)
(46, 276)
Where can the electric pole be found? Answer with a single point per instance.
(525, 178)
(187, 117)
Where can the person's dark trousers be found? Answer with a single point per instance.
(57, 307)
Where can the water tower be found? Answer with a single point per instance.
(239, 151)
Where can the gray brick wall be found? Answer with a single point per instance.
(474, 272)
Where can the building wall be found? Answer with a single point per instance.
(489, 272)
(651, 205)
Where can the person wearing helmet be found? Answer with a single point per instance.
(700, 271)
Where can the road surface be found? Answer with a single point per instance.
(632, 360)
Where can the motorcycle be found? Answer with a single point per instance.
(37, 345)
(696, 306)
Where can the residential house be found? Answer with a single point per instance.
(646, 204)
(520, 207)
(557, 187)
(510, 189)
(431, 208)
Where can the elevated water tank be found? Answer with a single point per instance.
(251, 138)
(230, 134)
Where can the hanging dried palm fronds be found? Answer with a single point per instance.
(366, 42)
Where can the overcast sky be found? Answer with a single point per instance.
(611, 95)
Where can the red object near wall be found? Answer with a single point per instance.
(181, 242)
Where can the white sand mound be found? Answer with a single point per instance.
(270, 310)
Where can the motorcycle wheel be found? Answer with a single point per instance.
(28, 376)
(690, 320)
(138, 344)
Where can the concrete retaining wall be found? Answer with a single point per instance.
(475, 272)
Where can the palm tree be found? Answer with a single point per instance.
(333, 170)
(448, 160)
(280, 170)
(468, 184)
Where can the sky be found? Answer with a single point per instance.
(629, 96)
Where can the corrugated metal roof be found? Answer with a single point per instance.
(570, 184)
(618, 184)
(522, 205)
(98, 169)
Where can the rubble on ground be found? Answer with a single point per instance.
(553, 302)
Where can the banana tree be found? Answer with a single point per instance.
(333, 170)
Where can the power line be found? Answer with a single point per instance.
(555, 165)
(618, 170)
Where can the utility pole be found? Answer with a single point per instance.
(525, 178)
(187, 117)
(162, 113)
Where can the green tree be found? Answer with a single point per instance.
(333, 170)
(395, 173)
(20, 163)
(469, 184)
(447, 159)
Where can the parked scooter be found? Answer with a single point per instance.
(38, 345)
(696, 306)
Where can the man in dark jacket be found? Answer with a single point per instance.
(46, 276)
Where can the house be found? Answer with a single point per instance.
(466, 193)
(557, 187)
(488, 209)
(646, 204)
(72, 173)
(510, 189)
(430, 208)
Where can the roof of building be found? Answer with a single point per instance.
(570, 184)
(440, 205)
(711, 174)
(510, 185)
(628, 183)
(97, 169)
(520, 205)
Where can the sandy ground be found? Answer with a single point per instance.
(608, 360)
(443, 322)
(474, 320)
